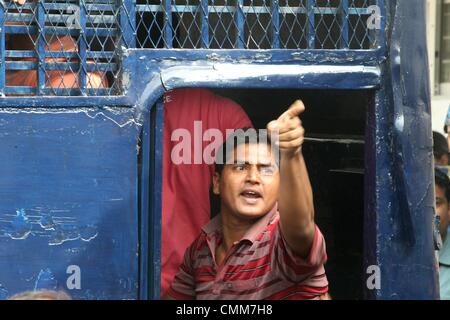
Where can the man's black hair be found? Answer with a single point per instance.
(240, 136)
(442, 180)
(440, 145)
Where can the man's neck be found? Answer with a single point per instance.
(233, 229)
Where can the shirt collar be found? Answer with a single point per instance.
(214, 227)
(444, 253)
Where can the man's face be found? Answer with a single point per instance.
(442, 210)
(442, 161)
(248, 188)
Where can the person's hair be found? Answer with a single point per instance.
(440, 145)
(41, 295)
(442, 180)
(239, 137)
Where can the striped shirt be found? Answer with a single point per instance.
(259, 266)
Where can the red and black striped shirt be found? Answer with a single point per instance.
(259, 266)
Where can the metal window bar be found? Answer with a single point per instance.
(204, 13)
(275, 12)
(239, 24)
(168, 27)
(343, 15)
(311, 23)
(128, 23)
(2, 50)
(41, 48)
(82, 49)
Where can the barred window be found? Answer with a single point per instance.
(74, 48)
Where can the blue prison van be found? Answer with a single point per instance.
(81, 123)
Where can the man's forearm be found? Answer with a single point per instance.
(295, 203)
(295, 200)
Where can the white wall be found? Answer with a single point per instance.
(431, 37)
(439, 103)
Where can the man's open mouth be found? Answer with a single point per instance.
(251, 194)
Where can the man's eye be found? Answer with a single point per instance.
(267, 170)
(240, 167)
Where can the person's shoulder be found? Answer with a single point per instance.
(444, 281)
(199, 243)
(210, 98)
(198, 97)
(189, 93)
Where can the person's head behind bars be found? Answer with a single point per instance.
(41, 295)
(440, 149)
(442, 188)
(246, 174)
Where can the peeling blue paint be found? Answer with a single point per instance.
(46, 222)
(20, 227)
(4, 294)
(75, 201)
(46, 280)
(88, 233)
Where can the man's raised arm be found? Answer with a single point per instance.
(295, 200)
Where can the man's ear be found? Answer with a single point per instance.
(448, 211)
(216, 183)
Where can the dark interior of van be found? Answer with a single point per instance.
(334, 123)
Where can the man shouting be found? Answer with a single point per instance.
(264, 244)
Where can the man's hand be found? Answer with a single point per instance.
(290, 130)
(21, 2)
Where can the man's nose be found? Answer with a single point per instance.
(253, 174)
